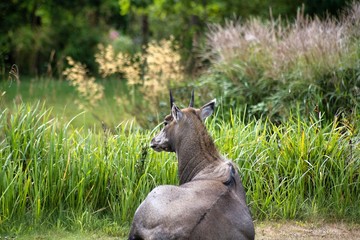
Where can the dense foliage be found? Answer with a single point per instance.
(53, 175)
(269, 67)
(38, 35)
(275, 67)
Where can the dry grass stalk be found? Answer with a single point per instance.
(163, 64)
(86, 86)
(152, 71)
(111, 63)
(309, 46)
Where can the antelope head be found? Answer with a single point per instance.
(182, 126)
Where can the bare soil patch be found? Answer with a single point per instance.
(306, 230)
(283, 230)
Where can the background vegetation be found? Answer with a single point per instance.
(82, 85)
(38, 35)
(56, 176)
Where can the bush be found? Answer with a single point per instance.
(148, 74)
(275, 66)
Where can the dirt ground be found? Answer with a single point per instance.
(312, 231)
(288, 230)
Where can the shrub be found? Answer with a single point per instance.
(153, 70)
(150, 73)
(89, 91)
(309, 62)
(163, 66)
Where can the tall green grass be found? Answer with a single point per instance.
(54, 175)
(51, 173)
(300, 169)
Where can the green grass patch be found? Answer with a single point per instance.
(56, 233)
(53, 175)
(64, 100)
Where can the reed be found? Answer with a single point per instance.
(54, 175)
(274, 66)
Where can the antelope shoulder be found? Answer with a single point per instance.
(174, 211)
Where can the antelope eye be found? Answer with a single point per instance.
(167, 120)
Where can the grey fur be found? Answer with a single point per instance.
(210, 201)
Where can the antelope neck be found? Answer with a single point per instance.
(193, 159)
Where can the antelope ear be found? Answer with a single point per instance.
(207, 109)
(176, 113)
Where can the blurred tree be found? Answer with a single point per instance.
(140, 10)
(323, 7)
(187, 19)
(38, 34)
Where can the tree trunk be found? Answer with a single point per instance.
(144, 29)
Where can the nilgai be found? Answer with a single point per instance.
(210, 201)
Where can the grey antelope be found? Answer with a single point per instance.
(210, 201)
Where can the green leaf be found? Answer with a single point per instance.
(124, 7)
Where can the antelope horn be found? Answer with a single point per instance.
(171, 100)
(192, 99)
